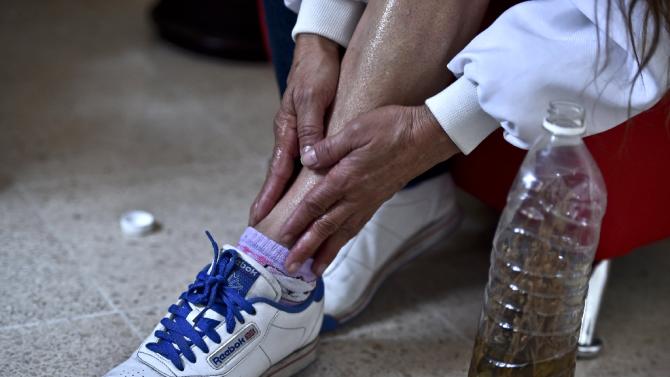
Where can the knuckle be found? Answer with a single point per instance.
(277, 154)
(327, 147)
(305, 93)
(277, 150)
(328, 150)
(284, 147)
(324, 227)
(356, 127)
(308, 130)
(314, 208)
(340, 179)
(282, 119)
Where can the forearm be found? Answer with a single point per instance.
(404, 62)
(375, 73)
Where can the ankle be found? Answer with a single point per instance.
(270, 228)
(296, 286)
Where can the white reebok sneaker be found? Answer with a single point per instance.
(230, 322)
(408, 224)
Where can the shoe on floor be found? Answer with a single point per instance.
(406, 225)
(230, 322)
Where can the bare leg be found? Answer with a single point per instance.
(398, 55)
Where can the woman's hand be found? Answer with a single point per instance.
(370, 159)
(299, 123)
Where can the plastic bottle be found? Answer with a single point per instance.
(542, 255)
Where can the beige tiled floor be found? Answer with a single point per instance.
(98, 117)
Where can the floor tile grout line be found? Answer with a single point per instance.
(119, 311)
(78, 268)
(63, 245)
(58, 320)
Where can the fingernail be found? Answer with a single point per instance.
(320, 269)
(293, 268)
(308, 156)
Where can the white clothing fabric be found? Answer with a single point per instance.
(546, 50)
(333, 19)
(535, 52)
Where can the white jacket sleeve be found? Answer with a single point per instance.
(333, 19)
(545, 50)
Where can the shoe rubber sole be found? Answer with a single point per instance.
(294, 362)
(423, 240)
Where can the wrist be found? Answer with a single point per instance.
(312, 42)
(430, 137)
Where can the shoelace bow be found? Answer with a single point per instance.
(210, 290)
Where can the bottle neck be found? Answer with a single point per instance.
(564, 119)
(565, 139)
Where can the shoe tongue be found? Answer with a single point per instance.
(251, 279)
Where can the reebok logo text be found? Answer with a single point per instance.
(218, 359)
(246, 268)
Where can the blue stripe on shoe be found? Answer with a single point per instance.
(329, 324)
(315, 296)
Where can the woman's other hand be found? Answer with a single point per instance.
(370, 159)
(299, 123)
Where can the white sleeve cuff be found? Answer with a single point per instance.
(332, 19)
(458, 111)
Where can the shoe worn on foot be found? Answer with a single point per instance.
(230, 322)
(412, 221)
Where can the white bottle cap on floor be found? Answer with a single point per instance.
(137, 223)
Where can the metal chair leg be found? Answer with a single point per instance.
(589, 346)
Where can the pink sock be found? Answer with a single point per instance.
(270, 253)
